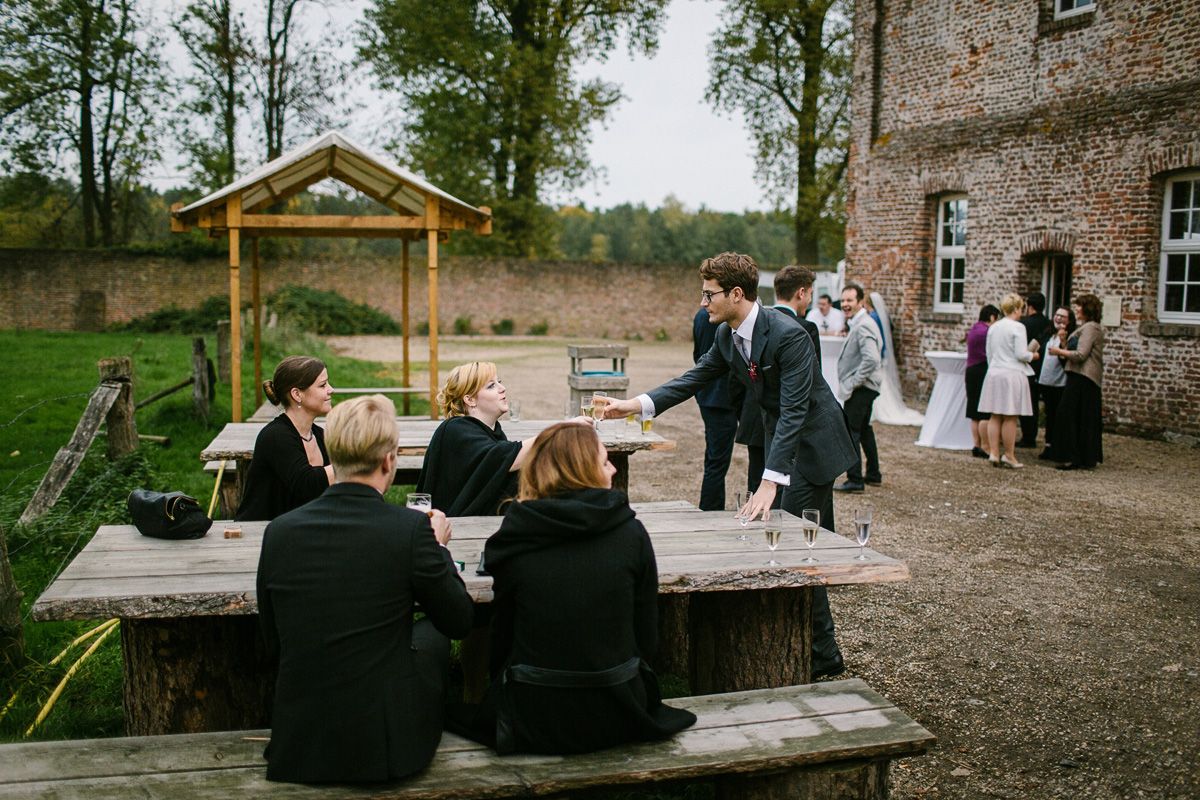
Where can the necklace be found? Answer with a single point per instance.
(308, 438)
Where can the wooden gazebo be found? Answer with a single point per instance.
(421, 211)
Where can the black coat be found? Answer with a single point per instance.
(337, 582)
(280, 476)
(804, 428)
(467, 468)
(576, 589)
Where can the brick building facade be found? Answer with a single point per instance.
(1022, 145)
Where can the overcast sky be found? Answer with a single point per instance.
(662, 139)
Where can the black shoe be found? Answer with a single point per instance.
(1068, 466)
(1046, 455)
(979, 452)
(849, 486)
(1031, 443)
(874, 481)
(829, 669)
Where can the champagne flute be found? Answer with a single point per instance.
(863, 516)
(737, 514)
(586, 405)
(514, 410)
(419, 501)
(773, 530)
(599, 403)
(810, 521)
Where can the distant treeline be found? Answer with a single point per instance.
(37, 211)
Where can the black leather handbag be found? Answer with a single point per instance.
(167, 515)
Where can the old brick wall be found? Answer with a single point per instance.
(85, 290)
(1061, 135)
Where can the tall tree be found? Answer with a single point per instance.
(81, 76)
(215, 40)
(785, 65)
(493, 111)
(298, 82)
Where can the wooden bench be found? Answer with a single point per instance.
(829, 740)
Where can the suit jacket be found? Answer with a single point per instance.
(804, 429)
(716, 393)
(861, 361)
(337, 582)
(750, 425)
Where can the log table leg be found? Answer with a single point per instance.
(196, 674)
(752, 639)
(862, 780)
(621, 478)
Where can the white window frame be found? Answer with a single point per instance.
(1171, 247)
(1072, 12)
(944, 252)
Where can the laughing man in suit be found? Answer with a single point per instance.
(773, 359)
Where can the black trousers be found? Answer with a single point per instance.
(797, 497)
(858, 419)
(720, 426)
(1051, 396)
(1029, 425)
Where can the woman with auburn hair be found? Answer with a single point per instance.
(574, 619)
(1005, 393)
(290, 465)
(1078, 441)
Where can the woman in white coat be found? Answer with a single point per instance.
(1005, 393)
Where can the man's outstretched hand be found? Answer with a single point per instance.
(760, 502)
(614, 408)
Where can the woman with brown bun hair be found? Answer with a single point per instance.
(291, 465)
(575, 611)
(470, 466)
(1077, 425)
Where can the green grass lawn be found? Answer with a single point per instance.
(51, 376)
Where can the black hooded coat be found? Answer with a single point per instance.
(574, 623)
(467, 468)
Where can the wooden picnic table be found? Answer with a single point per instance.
(194, 659)
(235, 443)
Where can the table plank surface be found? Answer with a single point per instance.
(121, 573)
(236, 439)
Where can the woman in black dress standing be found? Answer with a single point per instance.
(1078, 441)
(290, 465)
(575, 611)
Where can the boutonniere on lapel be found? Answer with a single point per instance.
(753, 372)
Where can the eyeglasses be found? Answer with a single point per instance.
(707, 296)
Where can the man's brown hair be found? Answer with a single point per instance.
(730, 270)
(792, 279)
(562, 458)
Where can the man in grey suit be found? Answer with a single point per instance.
(860, 373)
(773, 359)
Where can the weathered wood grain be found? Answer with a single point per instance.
(792, 728)
(236, 439)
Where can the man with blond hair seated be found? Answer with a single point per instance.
(360, 687)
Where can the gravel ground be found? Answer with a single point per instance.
(1050, 635)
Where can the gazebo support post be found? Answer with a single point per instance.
(432, 223)
(233, 215)
(404, 313)
(257, 299)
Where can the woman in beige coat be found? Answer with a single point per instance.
(1077, 438)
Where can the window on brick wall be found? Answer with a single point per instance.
(1179, 268)
(1071, 8)
(951, 254)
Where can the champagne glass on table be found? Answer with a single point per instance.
(810, 523)
(419, 501)
(863, 516)
(773, 529)
(647, 424)
(514, 410)
(738, 501)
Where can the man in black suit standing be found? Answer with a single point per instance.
(359, 692)
(1037, 327)
(807, 444)
(720, 419)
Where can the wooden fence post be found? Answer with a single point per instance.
(122, 431)
(223, 369)
(200, 377)
(12, 643)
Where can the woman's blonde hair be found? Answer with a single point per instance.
(1011, 303)
(563, 457)
(360, 433)
(463, 381)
